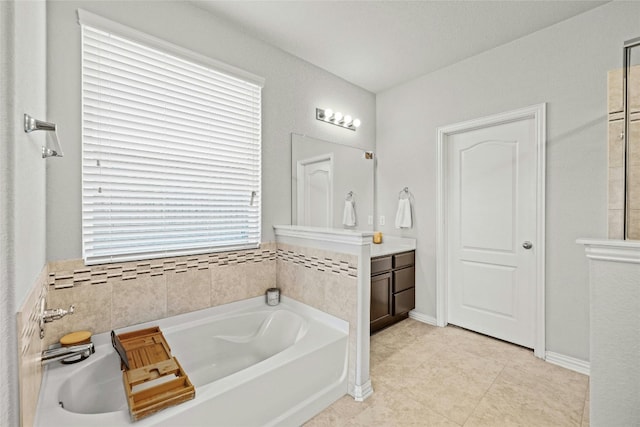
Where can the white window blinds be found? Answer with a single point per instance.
(170, 154)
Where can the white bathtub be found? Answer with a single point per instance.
(251, 364)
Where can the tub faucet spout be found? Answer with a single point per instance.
(70, 354)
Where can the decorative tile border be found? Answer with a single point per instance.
(99, 274)
(318, 264)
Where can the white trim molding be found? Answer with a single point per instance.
(362, 392)
(578, 365)
(424, 318)
(612, 250)
(323, 238)
(538, 114)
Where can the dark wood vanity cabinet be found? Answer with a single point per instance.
(392, 289)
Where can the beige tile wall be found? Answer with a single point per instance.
(113, 296)
(30, 347)
(324, 280)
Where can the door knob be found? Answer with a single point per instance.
(527, 245)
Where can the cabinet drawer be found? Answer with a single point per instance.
(404, 279)
(380, 264)
(404, 301)
(404, 259)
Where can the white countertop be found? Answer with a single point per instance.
(392, 245)
(321, 230)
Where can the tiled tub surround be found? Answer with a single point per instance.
(117, 295)
(30, 347)
(329, 269)
(323, 280)
(112, 296)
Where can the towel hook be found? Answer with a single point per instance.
(349, 196)
(404, 192)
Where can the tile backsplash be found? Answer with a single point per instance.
(325, 280)
(112, 296)
(30, 347)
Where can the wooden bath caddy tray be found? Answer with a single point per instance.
(153, 379)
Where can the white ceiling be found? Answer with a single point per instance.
(380, 44)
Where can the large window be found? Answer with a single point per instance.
(170, 150)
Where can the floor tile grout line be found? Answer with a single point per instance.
(504, 366)
(394, 345)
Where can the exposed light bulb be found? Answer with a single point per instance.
(336, 118)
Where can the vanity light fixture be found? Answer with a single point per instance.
(337, 118)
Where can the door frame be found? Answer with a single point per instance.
(538, 114)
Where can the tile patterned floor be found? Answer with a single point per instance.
(428, 376)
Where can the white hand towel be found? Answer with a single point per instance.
(403, 216)
(349, 215)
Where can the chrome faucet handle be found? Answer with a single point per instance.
(47, 316)
(56, 313)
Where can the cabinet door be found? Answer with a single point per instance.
(380, 297)
(404, 301)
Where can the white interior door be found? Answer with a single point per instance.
(315, 191)
(491, 230)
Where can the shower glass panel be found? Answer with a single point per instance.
(631, 132)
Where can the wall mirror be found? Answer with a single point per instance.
(325, 178)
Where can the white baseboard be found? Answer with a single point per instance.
(578, 365)
(572, 363)
(429, 320)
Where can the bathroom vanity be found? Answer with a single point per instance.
(392, 282)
